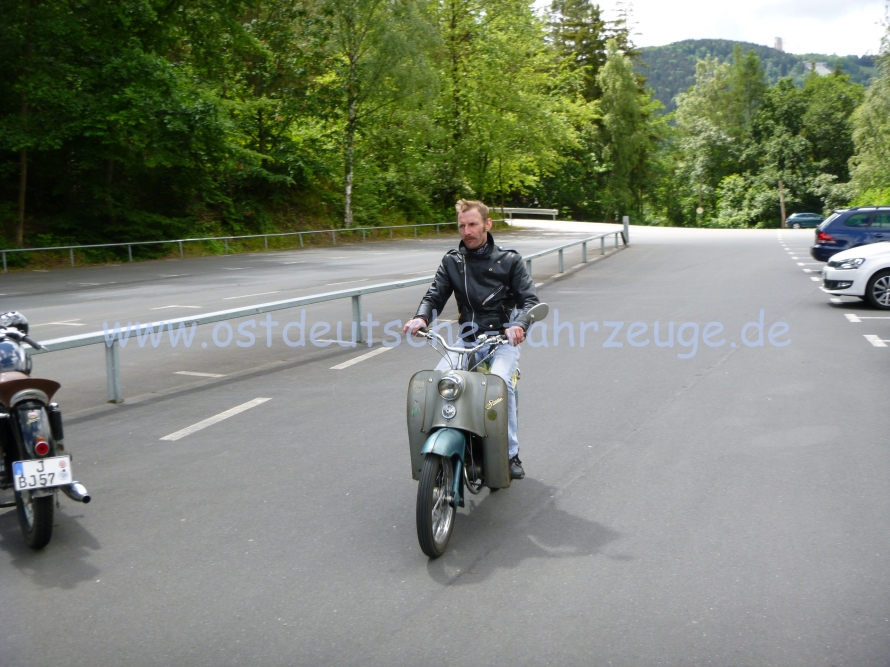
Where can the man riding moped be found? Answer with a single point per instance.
(493, 292)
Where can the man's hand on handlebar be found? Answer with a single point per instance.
(413, 326)
(516, 335)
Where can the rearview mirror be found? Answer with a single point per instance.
(538, 312)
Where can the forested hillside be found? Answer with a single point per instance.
(671, 69)
(149, 119)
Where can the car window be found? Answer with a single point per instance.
(828, 221)
(857, 220)
(881, 219)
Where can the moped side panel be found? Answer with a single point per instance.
(495, 443)
(416, 405)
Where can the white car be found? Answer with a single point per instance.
(863, 271)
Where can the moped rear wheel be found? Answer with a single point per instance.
(35, 518)
(435, 513)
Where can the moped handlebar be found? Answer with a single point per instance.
(481, 341)
(19, 337)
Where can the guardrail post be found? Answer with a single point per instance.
(616, 238)
(301, 239)
(584, 252)
(266, 242)
(363, 235)
(561, 264)
(602, 245)
(334, 237)
(130, 252)
(357, 317)
(180, 250)
(437, 230)
(113, 372)
(626, 221)
(415, 231)
(226, 241)
(71, 250)
(4, 262)
(528, 266)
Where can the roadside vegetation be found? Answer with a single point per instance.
(144, 120)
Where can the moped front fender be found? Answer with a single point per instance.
(450, 443)
(446, 442)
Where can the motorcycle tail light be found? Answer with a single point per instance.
(41, 448)
(825, 238)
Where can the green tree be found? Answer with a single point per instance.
(870, 166)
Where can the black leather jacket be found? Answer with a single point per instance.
(487, 288)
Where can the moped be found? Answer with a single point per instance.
(457, 433)
(32, 458)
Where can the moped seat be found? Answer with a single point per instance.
(16, 386)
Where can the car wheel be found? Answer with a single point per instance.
(877, 293)
(796, 225)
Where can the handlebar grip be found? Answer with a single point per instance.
(33, 343)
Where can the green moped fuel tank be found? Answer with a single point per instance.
(480, 409)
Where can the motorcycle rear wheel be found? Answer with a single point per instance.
(35, 518)
(435, 514)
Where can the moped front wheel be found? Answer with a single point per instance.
(35, 518)
(435, 512)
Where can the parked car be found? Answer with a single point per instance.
(804, 220)
(851, 228)
(863, 271)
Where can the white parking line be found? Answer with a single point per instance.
(244, 296)
(859, 318)
(355, 360)
(210, 421)
(835, 299)
(231, 269)
(818, 280)
(65, 323)
(874, 340)
(363, 280)
(164, 307)
(200, 375)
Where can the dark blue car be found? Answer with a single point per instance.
(850, 228)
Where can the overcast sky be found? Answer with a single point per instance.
(841, 27)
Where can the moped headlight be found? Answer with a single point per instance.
(450, 387)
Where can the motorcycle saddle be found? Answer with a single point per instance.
(13, 383)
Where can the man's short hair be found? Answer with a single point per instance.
(464, 205)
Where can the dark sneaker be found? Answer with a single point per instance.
(516, 471)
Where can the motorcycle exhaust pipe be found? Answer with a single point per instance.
(76, 491)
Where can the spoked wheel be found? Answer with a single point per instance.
(35, 518)
(435, 514)
(877, 293)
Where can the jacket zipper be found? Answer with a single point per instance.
(492, 295)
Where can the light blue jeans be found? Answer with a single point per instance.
(504, 363)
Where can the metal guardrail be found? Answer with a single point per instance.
(111, 339)
(225, 239)
(552, 212)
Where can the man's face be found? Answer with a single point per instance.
(473, 229)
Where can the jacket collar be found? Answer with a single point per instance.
(469, 253)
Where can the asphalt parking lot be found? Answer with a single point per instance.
(706, 479)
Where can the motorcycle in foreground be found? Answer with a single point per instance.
(457, 432)
(32, 458)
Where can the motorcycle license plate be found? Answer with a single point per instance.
(42, 473)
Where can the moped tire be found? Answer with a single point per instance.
(435, 514)
(35, 518)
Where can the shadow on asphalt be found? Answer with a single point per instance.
(484, 541)
(63, 563)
